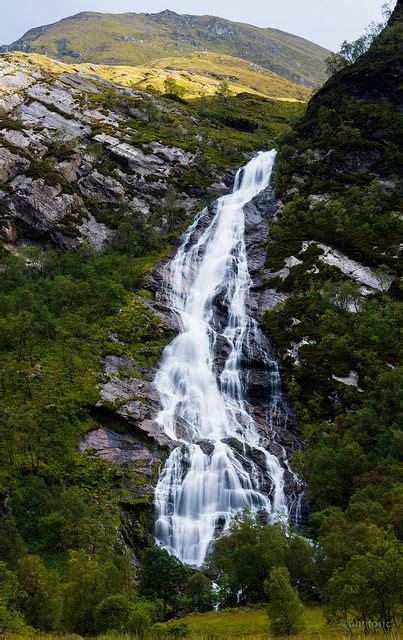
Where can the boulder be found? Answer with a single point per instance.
(27, 141)
(40, 206)
(54, 94)
(94, 232)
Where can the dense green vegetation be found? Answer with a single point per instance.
(64, 567)
(343, 171)
(337, 178)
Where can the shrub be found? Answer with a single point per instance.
(112, 613)
(172, 629)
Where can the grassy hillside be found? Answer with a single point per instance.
(136, 39)
(198, 74)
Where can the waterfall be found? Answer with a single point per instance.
(206, 480)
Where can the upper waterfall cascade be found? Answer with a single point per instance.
(206, 480)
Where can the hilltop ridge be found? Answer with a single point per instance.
(138, 38)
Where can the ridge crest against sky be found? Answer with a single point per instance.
(324, 22)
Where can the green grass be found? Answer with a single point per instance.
(251, 623)
(197, 73)
(246, 623)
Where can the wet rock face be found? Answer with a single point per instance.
(120, 448)
(259, 215)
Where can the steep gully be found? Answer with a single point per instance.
(219, 385)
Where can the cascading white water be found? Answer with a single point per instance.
(203, 483)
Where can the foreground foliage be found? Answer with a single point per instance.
(285, 609)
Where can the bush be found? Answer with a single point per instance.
(112, 613)
(140, 619)
(163, 630)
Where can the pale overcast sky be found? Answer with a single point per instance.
(326, 22)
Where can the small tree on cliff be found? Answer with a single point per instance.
(351, 51)
(285, 608)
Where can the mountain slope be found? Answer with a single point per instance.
(198, 74)
(135, 39)
(333, 258)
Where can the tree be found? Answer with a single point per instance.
(142, 614)
(39, 594)
(285, 608)
(222, 99)
(340, 540)
(351, 51)
(88, 583)
(11, 619)
(300, 562)
(245, 557)
(199, 594)
(223, 90)
(112, 613)
(11, 544)
(366, 592)
(173, 88)
(163, 576)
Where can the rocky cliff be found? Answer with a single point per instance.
(73, 163)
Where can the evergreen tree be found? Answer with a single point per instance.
(285, 608)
